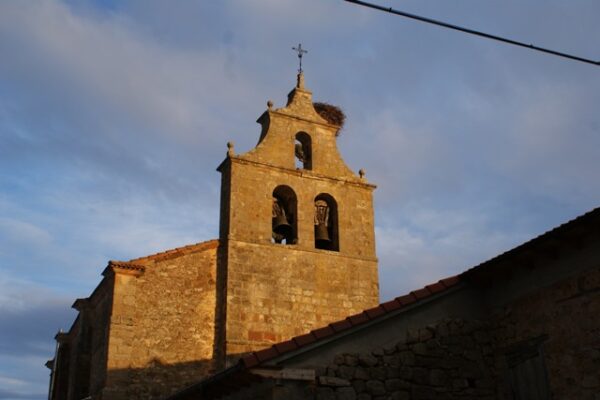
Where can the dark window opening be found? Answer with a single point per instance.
(284, 227)
(303, 151)
(326, 223)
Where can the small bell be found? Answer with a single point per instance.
(322, 238)
(281, 226)
(322, 235)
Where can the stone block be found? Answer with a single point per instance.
(421, 376)
(346, 372)
(333, 381)
(400, 395)
(378, 373)
(351, 360)
(375, 388)
(359, 385)
(407, 358)
(345, 393)
(392, 385)
(324, 393)
(422, 393)
(367, 360)
(438, 377)
(361, 373)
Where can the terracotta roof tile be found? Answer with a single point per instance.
(406, 299)
(340, 325)
(286, 346)
(266, 354)
(421, 293)
(358, 319)
(391, 305)
(375, 312)
(451, 281)
(436, 287)
(250, 360)
(303, 340)
(323, 332)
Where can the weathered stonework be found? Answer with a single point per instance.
(453, 359)
(162, 324)
(159, 323)
(276, 291)
(522, 325)
(464, 359)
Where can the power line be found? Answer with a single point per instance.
(472, 32)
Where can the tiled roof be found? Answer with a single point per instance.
(138, 265)
(587, 220)
(179, 251)
(348, 323)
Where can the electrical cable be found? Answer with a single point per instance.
(472, 31)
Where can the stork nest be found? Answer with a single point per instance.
(332, 114)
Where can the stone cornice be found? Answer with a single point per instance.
(302, 173)
(304, 249)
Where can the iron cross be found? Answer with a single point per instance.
(300, 52)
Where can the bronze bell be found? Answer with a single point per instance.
(281, 226)
(322, 234)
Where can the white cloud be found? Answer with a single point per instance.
(428, 244)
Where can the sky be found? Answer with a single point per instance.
(115, 114)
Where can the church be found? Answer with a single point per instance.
(284, 304)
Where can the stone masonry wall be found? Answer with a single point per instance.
(275, 292)
(557, 326)
(102, 304)
(565, 318)
(451, 360)
(162, 325)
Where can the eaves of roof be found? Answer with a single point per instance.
(179, 251)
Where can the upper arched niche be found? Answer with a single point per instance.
(303, 150)
(298, 126)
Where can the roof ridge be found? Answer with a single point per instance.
(190, 248)
(371, 314)
(536, 239)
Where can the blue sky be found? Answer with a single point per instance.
(115, 114)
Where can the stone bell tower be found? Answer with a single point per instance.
(296, 231)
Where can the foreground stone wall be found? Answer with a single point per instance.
(563, 319)
(546, 343)
(451, 360)
(162, 325)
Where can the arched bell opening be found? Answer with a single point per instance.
(326, 223)
(284, 221)
(303, 151)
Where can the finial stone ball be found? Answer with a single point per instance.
(361, 173)
(230, 151)
(270, 104)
